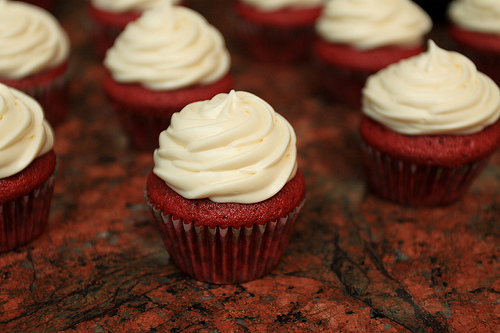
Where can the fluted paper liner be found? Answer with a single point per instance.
(417, 185)
(225, 255)
(24, 219)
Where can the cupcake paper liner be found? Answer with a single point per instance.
(103, 37)
(274, 44)
(225, 255)
(24, 219)
(342, 84)
(143, 130)
(410, 184)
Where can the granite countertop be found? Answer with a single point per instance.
(355, 263)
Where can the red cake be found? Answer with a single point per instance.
(145, 113)
(25, 202)
(220, 251)
(49, 88)
(343, 69)
(280, 36)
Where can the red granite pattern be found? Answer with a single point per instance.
(354, 263)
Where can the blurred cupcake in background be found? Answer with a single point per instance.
(109, 18)
(45, 4)
(356, 38)
(34, 56)
(278, 31)
(429, 126)
(27, 169)
(169, 57)
(475, 28)
(226, 189)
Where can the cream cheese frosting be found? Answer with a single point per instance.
(122, 6)
(168, 48)
(271, 5)
(476, 15)
(232, 148)
(368, 24)
(24, 133)
(31, 40)
(435, 92)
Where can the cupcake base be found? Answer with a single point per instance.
(343, 70)
(416, 185)
(144, 113)
(49, 88)
(24, 217)
(106, 26)
(230, 252)
(225, 255)
(283, 36)
(424, 170)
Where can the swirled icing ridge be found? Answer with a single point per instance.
(436, 92)
(24, 134)
(31, 40)
(232, 148)
(168, 48)
(476, 15)
(368, 24)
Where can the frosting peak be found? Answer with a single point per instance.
(31, 40)
(168, 48)
(24, 134)
(368, 24)
(436, 92)
(232, 148)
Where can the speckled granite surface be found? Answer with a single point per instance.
(354, 263)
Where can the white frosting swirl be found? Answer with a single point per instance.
(368, 24)
(271, 5)
(122, 6)
(476, 15)
(24, 134)
(435, 92)
(31, 40)
(232, 148)
(168, 48)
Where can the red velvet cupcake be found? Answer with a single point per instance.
(475, 28)
(110, 17)
(39, 65)
(428, 130)
(152, 73)
(225, 190)
(27, 171)
(355, 40)
(279, 33)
